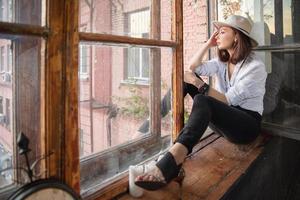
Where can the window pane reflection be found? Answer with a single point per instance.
(282, 102)
(115, 94)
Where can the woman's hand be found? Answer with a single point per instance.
(191, 78)
(198, 57)
(212, 41)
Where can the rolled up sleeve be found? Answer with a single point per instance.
(235, 95)
(208, 68)
(249, 86)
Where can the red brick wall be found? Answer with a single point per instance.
(194, 32)
(195, 27)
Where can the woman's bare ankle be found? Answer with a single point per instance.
(179, 152)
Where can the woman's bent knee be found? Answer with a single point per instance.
(201, 99)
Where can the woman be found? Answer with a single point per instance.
(233, 109)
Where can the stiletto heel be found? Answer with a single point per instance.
(179, 179)
(170, 171)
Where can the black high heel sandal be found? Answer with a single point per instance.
(170, 171)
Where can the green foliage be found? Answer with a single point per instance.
(230, 7)
(135, 105)
(186, 116)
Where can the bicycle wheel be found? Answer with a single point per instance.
(46, 189)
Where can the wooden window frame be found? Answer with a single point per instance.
(114, 188)
(59, 123)
(59, 94)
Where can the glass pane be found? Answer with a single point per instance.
(115, 108)
(274, 23)
(124, 17)
(31, 12)
(145, 63)
(114, 104)
(84, 59)
(6, 96)
(282, 102)
(20, 76)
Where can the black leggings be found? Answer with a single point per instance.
(236, 124)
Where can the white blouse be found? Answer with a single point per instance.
(246, 87)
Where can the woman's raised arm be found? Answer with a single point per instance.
(198, 57)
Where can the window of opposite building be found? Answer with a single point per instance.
(138, 58)
(84, 59)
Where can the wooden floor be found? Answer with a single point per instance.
(209, 171)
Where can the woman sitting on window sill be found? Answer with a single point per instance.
(233, 109)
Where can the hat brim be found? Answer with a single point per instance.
(218, 24)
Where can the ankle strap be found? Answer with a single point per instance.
(168, 167)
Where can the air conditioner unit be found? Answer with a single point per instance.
(2, 119)
(6, 77)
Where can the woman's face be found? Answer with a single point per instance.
(225, 38)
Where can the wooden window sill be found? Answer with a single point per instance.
(211, 171)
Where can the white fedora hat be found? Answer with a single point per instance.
(240, 23)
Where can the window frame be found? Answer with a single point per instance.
(177, 70)
(212, 7)
(57, 109)
(59, 85)
(140, 77)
